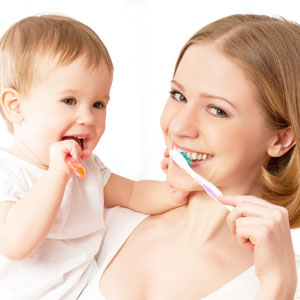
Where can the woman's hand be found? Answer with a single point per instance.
(264, 229)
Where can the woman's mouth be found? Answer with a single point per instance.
(194, 156)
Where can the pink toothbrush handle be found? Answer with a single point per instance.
(76, 166)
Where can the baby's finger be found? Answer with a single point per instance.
(73, 149)
(164, 165)
(166, 153)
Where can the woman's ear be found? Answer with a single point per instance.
(282, 143)
(11, 105)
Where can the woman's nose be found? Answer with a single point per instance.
(186, 123)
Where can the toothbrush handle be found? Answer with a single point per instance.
(210, 189)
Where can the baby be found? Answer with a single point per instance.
(56, 76)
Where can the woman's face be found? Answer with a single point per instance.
(214, 116)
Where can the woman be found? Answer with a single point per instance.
(234, 108)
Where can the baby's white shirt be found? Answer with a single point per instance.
(66, 260)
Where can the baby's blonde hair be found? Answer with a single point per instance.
(58, 38)
(268, 50)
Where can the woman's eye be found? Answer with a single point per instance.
(69, 101)
(178, 96)
(98, 105)
(217, 111)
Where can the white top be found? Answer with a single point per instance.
(120, 224)
(65, 262)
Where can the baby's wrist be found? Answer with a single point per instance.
(59, 172)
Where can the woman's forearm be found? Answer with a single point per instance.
(285, 290)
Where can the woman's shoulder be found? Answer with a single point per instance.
(297, 296)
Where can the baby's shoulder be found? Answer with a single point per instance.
(16, 172)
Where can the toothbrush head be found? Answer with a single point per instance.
(181, 159)
(188, 160)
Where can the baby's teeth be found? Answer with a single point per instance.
(189, 155)
(204, 157)
(199, 156)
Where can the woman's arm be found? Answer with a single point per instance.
(264, 229)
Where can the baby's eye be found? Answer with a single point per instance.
(217, 111)
(177, 96)
(69, 101)
(98, 105)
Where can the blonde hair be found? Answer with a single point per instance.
(58, 38)
(268, 50)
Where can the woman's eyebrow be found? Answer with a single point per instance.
(210, 96)
(178, 84)
(205, 95)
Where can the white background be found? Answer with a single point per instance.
(144, 38)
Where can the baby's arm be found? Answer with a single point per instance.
(147, 196)
(24, 224)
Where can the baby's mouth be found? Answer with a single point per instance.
(81, 141)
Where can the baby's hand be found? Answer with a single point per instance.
(165, 162)
(178, 196)
(61, 153)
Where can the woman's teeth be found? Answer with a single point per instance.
(195, 155)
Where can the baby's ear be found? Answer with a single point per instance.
(11, 105)
(282, 143)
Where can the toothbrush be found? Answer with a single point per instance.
(76, 166)
(185, 163)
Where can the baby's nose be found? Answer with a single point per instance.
(85, 116)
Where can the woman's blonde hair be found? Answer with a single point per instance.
(268, 50)
(58, 38)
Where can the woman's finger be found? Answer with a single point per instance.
(234, 200)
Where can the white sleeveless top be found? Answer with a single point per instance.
(120, 224)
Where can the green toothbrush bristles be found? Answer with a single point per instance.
(188, 160)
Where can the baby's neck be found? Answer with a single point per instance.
(20, 150)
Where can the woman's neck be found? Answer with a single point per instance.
(200, 221)
(205, 218)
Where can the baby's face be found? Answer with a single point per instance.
(214, 116)
(67, 103)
